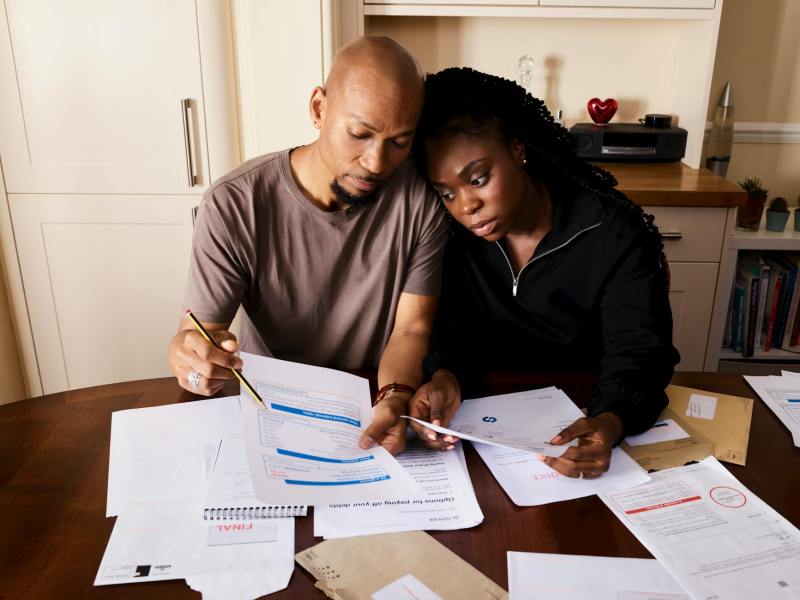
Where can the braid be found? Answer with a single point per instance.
(468, 102)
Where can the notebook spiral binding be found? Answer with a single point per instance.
(253, 512)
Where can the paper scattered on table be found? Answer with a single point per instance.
(447, 500)
(782, 397)
(702, 407)
(523, 420)
(168, 540)
(157, 453)
(571, 577)
(529, 482)
(355, 568)
(303, 447)
(664, 430)
(713, 535)
(407, 587)
(230, 490)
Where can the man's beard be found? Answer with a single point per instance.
(351, 201)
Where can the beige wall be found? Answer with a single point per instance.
(576, 59)
(759, 52)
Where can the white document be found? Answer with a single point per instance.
(530, 482)
(407, 587)
(167, 540)
(447, 500)
(538, 576)
(523, 420)
(714, 536)
(157, 454)
(663, 431)
(303, 447)
(702, 407)
(782, 397)
(230, 490)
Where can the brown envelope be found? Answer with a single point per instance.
(357, 567)
(673, 453)
(729, 430)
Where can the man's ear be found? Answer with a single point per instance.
(317, 106)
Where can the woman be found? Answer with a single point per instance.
(548, 268)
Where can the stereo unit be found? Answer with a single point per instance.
(629, 142)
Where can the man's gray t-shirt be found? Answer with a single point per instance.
(317, 287)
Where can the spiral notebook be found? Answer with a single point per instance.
(230, 490)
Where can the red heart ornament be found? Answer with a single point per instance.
(601, 111)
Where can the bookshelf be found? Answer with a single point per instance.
(735, 242)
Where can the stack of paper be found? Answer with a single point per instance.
(781, 394)
(447, 500)
(713, 535)
(160, 462)
(510, 432)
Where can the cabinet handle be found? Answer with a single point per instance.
(672, 235)
(187, 141)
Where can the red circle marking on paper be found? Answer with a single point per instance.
(727, 497)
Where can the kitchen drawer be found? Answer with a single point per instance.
(691, 233)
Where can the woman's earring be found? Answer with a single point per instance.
(524, 161)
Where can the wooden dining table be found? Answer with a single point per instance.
(54, 453)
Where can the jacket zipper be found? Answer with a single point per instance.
(515, 278)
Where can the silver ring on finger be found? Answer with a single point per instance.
(580, 475)
(194, 379)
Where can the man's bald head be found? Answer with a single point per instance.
(378, 60)
(367, 114)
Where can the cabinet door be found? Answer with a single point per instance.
(90, 96)
(691, 296)
(631, 3)
(104, 279)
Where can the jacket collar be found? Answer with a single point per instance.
(574, 211)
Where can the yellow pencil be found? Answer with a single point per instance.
(236, 372)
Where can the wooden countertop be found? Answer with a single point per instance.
(674, 184)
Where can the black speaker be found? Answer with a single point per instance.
(629, 142)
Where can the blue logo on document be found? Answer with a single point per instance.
(489, 419)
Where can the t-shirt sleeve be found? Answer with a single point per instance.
(424, 273)
(218, 279)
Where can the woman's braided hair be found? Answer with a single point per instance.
(463, 101)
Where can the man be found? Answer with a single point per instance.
(332, 249)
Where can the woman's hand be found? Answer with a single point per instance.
(436, 402)
(592, 456)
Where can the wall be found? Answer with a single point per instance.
(647, 65)
(759, 52)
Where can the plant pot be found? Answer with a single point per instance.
(797, 219)
(776, 220)
(749, 216)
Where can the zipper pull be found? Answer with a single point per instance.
(514, 288)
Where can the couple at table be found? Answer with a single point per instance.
(439, 227)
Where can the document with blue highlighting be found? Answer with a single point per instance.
(302, 446)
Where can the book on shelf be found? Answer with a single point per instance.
(749, 273)
(763, 292)
(738, 315)
(778, 276)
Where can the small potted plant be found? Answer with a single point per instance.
(749, 216)
(777, 214)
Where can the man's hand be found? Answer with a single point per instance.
(436, 402)
(387, 428)
(592, 456)
(188, 350)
